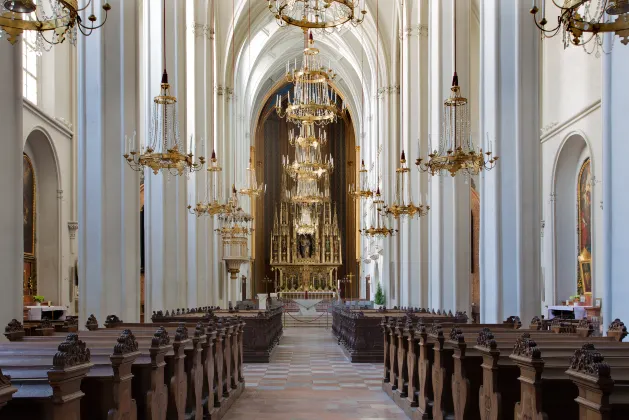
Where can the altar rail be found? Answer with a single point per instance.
(262, 331)
(360, 333)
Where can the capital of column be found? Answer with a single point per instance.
(72, 228)
(421, 30)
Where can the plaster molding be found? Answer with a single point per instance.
(548, 127)
(219, 90)
(388, 90)
(60, 194)
(560, 126)
(65, 128)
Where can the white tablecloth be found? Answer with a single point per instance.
(579, 311)
(35, 312)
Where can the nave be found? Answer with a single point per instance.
(309, 377)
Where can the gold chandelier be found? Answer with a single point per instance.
(59, 18)
(380, 230)
(403, 203)
(235, 223)
(314, 101)
(307, 136)
(322, 15)
(362, 190)
(165, 152)
(214, 195)
(583, 21)
(307, 191)
(308, 163)
(252, 189)
(456, 151)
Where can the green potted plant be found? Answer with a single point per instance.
(38, 299)
(379, 298)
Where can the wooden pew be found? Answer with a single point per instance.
(52, 391)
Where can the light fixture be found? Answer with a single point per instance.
(213, 203)
(322, 15)
(362, 190)
(380, 230)
(165, 152)
(403, 203)
(584, 21)
(252, 189)
(54, 21)
(456, 151)
(314, 100)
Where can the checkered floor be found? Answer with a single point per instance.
(303, 381)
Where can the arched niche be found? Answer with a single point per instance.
(40, 150)
(572, 155)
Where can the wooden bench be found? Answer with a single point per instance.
(432, 374)
(173, 380)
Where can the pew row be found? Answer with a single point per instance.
(360, 334)
(456, 371)
(197, 376)
(262, 333)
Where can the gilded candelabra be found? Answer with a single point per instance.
(362, 190)
(403, 203)
(380, 230)
(58, 18)
(212, 205)
(583, 21)
(456, 152)
(321, 15)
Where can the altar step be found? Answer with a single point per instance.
(296, 320)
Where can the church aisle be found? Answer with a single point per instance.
(309, 378)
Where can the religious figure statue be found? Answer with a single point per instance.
(305, 246)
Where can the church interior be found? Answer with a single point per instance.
(314, 209)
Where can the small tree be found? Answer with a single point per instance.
(379, 298)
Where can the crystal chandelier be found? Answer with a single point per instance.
(307, 136)
(308, 163)
(53, 20)
(314, 101)
(307, 220)
(214, 195)
(362, 190)
(584, 21)
(235, 225)
(380, 230)
(403, 202)
(456, 151)
(322, 15)
(252, 189)
(165, 151)
(307, 191)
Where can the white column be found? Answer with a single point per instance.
(615, 184)
(510, 193)
(108, 190)
(11, 216)
(449, 216)
(165, 196)
(414, 249)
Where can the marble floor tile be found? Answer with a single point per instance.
(309, 378)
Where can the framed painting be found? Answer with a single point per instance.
(29, 206)
(584, 226)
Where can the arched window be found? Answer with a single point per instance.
(29, 188)
(30, 66)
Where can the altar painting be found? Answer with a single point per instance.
(584, 225)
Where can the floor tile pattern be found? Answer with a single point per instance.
(309, 378)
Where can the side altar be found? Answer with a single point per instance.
(306, 251)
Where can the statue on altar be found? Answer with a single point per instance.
(305, 246)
